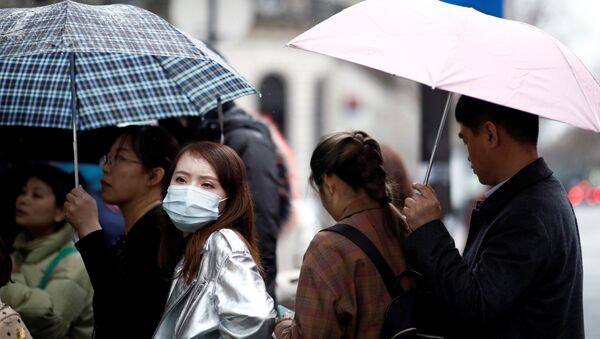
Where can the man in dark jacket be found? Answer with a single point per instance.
(520, 275)
(251, 139)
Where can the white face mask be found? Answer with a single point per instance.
(191, 208)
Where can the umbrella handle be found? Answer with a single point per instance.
(437, 138)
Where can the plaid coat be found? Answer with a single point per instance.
(340, 292)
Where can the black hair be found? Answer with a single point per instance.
(153, 145)
(522, 126)
(356, 158)
(59, 181)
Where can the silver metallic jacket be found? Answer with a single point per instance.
(226, 300)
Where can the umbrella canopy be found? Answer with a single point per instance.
(112, 64)
(461, 50)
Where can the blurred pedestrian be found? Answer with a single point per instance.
(218, 291)
(131, 284)
(520, 275)
(267, 173)
(340, 292)
(51, 288)
(397, 176)
(11, 323)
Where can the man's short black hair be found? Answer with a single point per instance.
(522, 126)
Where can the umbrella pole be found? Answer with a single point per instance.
(74, 117)
(220, 114)
(74, 126)
(437, 138)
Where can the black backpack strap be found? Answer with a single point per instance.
(370, 250)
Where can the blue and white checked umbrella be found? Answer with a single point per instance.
(71, 65)
(128, 65)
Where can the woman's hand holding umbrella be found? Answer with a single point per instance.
(82, 212)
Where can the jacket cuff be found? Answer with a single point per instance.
(91, 244)
(426, 241)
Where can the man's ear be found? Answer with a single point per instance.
(490, 131)
(156, 176)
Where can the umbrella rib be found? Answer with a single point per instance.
(587, 100)
(182, 90)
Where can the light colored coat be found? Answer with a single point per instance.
(63, 309)
(226, 300)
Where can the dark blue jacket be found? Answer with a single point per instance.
(520, 275)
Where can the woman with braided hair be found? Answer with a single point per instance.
(340, 292)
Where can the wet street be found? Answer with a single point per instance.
(589, 228)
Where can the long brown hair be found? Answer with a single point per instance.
(238, 213)
(356, 158)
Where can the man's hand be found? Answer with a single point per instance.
(422, 207)
(82, 211)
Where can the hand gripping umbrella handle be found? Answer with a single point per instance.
(437, 138)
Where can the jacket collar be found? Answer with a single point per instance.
(33, 251)
(534, 172)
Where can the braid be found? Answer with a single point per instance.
(356, 158)
(373, 174)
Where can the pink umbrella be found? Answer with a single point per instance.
(461, 50)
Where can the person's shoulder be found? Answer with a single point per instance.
(246, 134)
(149, 225)
(226, 241)
(329, 242)
(240, 126)
(70, 266)
(545, 193)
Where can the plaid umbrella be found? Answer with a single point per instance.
(70, 65)
(121, 64)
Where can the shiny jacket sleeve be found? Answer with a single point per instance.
(244, 309)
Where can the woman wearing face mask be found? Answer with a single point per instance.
(130, 283)
(218, 289)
